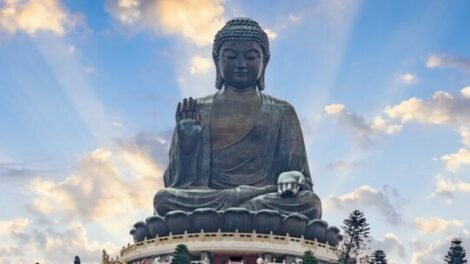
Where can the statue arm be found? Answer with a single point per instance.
(182, 168)
(292, 147)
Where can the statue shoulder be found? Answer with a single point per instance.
(205, 101)
(279, 104)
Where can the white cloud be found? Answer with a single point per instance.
(294, 18)
(126, 11)
(31, 16)
(383, 125)
(30, 242)
(363, 132)
(444, 61)
(391, 245)
(271, 34)
(194, 21)
(333, 109)
(433, 61)
(104, 185)
(464, 135)
(435, 111)
(16, 225)
(436, 224)
(448, 187)
(456, 160)
(200, 65)
(442, 108)
(365, 196)
(408, 78)
(435, 252)
(465, 91)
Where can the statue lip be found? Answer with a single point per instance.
(240, 73)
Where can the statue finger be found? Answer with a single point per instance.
(194, 105)
(194, 110)
(295, 189)
(284, 188)
(279, 189)
(190, 108)
(289, 187)
(185, 105)
(190, 104)
(178, 112)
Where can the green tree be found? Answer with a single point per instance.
(181, 255)
(356, 230)
(309, 258)
(456, 253)
(378, 257)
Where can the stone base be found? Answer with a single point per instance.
(225, 247)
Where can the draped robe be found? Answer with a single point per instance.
(244, 173)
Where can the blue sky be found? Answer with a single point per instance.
(89, 89)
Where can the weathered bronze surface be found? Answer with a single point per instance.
(238, 147)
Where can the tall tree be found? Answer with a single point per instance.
(356, 231)
(456, 253)
(378, 257)
(309, 258)
(181, 255)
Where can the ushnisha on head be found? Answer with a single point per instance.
(243, 30)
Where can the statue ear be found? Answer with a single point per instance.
(219, 81)
(260, 83)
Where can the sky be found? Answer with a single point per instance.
(88, 91)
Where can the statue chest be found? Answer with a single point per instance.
(231, 121)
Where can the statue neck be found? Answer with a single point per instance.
(233, 92)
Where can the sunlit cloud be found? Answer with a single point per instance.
(32, 16)
(194, 21)
(436, 224)
(449, 187)
(105, 184)
(456, 160)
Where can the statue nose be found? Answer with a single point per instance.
(241, 63)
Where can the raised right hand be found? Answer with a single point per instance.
(187, 122)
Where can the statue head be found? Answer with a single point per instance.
(240, 53)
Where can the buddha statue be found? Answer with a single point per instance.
(238, 147)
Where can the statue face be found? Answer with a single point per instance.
(240, 63)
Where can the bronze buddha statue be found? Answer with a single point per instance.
(238, 147)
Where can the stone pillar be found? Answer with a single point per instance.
(204, 255)
(290, 259)
(267, 257)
